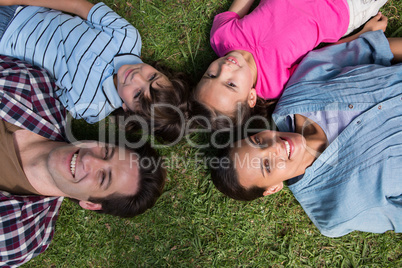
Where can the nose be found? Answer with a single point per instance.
(275, 146)
(225, 67)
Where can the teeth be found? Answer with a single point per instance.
(287, 148)
(232, 61)
(72, 164)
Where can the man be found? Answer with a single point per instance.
(37, 160)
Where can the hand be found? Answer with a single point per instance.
(77, 7)
(378, 22)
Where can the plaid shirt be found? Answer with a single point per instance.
(27, 100)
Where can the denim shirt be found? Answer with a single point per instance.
(356, 183)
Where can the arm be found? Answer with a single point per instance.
(77, 7)
(378, 22)
(241, 7)
(396, 47)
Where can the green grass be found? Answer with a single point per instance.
(192, 224)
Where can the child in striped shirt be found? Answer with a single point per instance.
(95, 60)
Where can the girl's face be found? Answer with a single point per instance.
(134, 80)
(269, 158)
(227, 81)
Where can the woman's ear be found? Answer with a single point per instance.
(90, 206)
(273, 189)
(252, 98)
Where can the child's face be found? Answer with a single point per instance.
(269, 158)
(134, 80)
(227, 81)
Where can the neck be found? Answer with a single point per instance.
(316, 140)
(251, 64)
(32, 151)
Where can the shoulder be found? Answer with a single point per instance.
(223, 19)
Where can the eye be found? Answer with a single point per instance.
(102, 177)
(152, 77)
(257, 140)
(211, 75)
(231, 84)
(106, 152)
(266, 166)
(137, 94)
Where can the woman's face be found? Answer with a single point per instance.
(227, 81)
(268, 158)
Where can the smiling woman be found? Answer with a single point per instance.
(269, 158)
(342, 143)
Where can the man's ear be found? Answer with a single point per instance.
(252, 98)
(273, 189)
(90, 206)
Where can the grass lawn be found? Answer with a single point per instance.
(192, 224)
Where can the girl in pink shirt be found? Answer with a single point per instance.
(260, 51)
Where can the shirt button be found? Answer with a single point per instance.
(379, 107)
(358, 122)
(350, 106)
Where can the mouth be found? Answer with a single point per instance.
(126, 75)
(287, 147)
(232, 60)
(72, 164)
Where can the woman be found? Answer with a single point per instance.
(341, 146)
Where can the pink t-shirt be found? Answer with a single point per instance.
(279, 33)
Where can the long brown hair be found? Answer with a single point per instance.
(206, 117)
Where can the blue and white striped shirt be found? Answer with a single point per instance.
(79, 53)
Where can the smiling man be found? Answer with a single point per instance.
(39, 167)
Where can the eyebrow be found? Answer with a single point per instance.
(152, 86)
(249, 138)
(224, 84)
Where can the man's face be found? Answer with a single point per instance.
(92, 169)
(227, 81)
(269, 158)
(132, 81)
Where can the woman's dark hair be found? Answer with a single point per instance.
(224, 176)
(165, 112)
(152, 177)
(204, 116)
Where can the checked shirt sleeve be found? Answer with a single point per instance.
(26, 226)
(28, 101)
